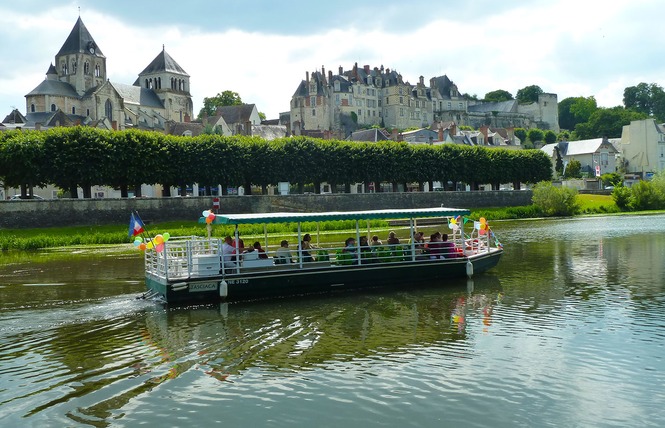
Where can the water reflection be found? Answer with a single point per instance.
(567, 330)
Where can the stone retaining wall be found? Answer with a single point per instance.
(82, 212)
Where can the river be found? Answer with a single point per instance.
(568, 330)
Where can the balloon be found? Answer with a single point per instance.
(482, 220)
(159, 248)
(208, 220)
(211, 216)
(137, 242)
(150, 244)
(142, 246)
(166, 236)
(138, 238)
(482, 231)
(453, 221)
(159, 239)
(206, 213)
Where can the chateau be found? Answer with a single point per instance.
(77, 91)
(338, 104)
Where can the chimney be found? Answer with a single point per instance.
(393, 134)
(187, 118)
(248, 128)
(422, 80)
(341, 70)
(483, 130)
(323, 71)
(453, 129)
(307, 76)
(366, 67)
(440, 133)
(204, 118)
(330, 75)
(114, 125)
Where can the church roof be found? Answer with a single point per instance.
(79, 40)
(54, 87)
(51, 70)
(15, 117)
(164, 62)
(138, 95)
(501, 106)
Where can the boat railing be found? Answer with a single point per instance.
(185, 256)
(192, 256)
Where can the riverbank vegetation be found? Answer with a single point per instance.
(34, 239)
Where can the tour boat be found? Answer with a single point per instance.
(199, 269)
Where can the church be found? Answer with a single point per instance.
(77, 91)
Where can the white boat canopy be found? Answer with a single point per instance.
(283, 217)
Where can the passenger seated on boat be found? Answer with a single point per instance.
(434, 246)
(375, 241)
(228, 252)
(419, 242)
(392, 239)
(366, 254)
(250, 254)
(306, 247)
(448, 249)
(283, 254)
(260, 251)
(351, 249)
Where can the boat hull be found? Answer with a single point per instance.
(312, 278)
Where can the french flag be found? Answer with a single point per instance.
(135, 226)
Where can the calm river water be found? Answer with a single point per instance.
(569, 331)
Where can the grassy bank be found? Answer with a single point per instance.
(34, 239)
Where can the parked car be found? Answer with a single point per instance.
(18, 197)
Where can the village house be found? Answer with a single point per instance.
(642, 147)
(597, 156)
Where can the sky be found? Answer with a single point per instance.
(262, 49)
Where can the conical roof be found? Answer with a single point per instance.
(79, 40)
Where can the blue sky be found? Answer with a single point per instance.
(263, 48)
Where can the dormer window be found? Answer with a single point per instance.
(53, 107)
(337, 87)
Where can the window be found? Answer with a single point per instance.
(337, 85)
(313, 112)
(386, 100)
(450, 105)
(108, 109)
(336, 99)
(360, 112)
(368, 115)
(461, 106)
(32, 108)
(98, 71)
(86, 67)
(53, 107)
(74, 66)
(312, 101)
(73, 110)
(401, 100)
(401, 112)
(87, 112)
(400, 91)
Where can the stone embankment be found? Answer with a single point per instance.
(83, 212)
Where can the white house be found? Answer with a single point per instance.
(598, 156)
(642, 146)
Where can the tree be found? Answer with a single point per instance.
(646, 98)
(498, 95)
(558, 165)
(574, 110)
(607, 122)
(574, 168)
(521, 134)
(226, 98)
(550, 137)
(535, 135)
(529, 94)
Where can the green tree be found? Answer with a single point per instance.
(558, 165)
(521, 134)
(646, 98)
(607, 122)
(226, 98)
(573, 169)
(550, 137)
(498, 95)
(529, 94)
(535, 135)
(574, 110)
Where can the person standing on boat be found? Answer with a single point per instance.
(283, 253)
(306, 247)
(228, 252)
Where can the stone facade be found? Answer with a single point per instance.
(364, 97)
(78, 86)
(643, 147)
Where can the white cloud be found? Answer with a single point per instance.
(568, 47)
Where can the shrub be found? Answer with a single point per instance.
(555, 201)
(622, 197)
(646, 196)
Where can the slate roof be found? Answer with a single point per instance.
(164, 62)
(15, 117)
(79, 40)
(372, 135)
(235, 114)
(581, 147)
(179, 128)
(138, 95)
(269, 132)
(502, 107)
(54, 87)
(51, 70)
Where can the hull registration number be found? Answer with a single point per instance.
(202, 286)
